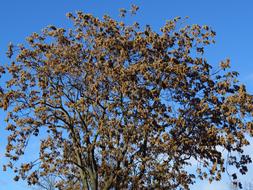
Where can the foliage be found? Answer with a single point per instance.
(121, 107)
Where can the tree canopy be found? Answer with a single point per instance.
(119, 106)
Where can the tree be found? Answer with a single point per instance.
(118, 106)
(46, 183)
(236, 185)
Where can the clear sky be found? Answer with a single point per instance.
(231, 19)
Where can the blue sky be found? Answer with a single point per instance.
(231, 19)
